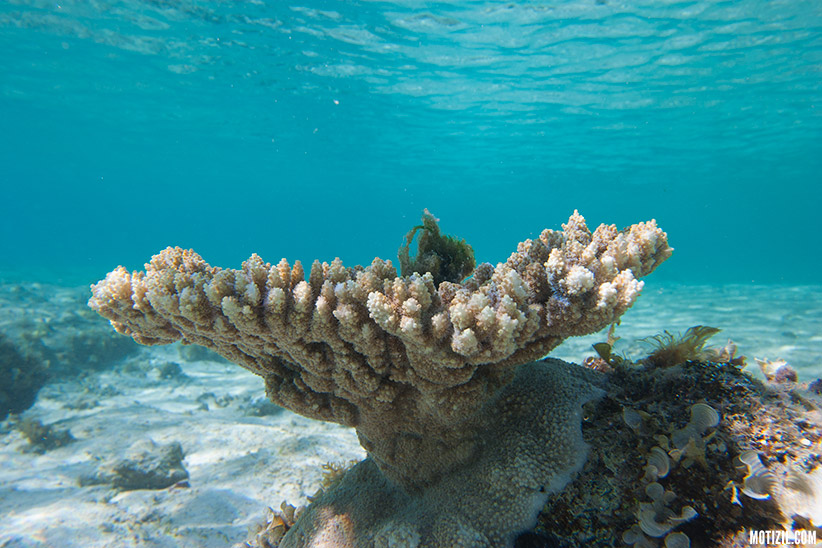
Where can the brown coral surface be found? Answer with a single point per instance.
(401, 360)
(417, 369)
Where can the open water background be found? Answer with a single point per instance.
(321, 129)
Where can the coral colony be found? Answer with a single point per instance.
(470, 441)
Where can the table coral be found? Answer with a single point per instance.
(409, 364)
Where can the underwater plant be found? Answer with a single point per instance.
(466, 438)
(670, 349)
(605, 352)
(446, 258)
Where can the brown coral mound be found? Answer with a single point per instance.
(393, 356)
(414, 367)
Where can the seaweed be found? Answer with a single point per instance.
(447, 258)
(333, 473)
(606, 359)
(673, 349)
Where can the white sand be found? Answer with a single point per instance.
(237, 464)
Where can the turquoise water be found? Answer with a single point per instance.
(322, 129)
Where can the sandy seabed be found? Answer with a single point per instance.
(242, 455)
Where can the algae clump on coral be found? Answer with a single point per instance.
(447, 258)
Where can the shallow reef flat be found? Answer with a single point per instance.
(88, 489)
(175, 447)
(765, 321)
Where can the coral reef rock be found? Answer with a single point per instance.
(21, 377)
(43, 437)
(412, 366)
(699, 450)
(145, 465)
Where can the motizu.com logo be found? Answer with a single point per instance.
(781, 537)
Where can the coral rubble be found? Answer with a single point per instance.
(43, 437)
(427, 374)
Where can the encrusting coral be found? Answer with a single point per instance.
(423, 372)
